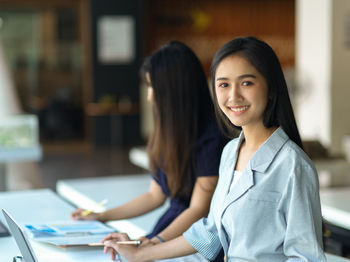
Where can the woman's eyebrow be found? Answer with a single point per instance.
(240, 77)
(221, 78)
(246, 76)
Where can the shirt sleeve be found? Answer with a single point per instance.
(303, 237)
(203, 237)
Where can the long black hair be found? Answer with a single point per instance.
(182, 107)
(279, 111)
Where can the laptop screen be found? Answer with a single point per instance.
(20, 238)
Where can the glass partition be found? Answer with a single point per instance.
(42, 48)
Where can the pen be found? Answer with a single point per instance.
(88, 212)
(131, 242)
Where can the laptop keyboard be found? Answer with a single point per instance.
(3, 230)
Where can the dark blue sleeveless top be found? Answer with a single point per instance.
(208, 150)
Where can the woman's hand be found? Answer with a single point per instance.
(177, 247)
(145, 242)
(78, 214)
(127, 251)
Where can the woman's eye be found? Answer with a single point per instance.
(223, 85)
(247, 83)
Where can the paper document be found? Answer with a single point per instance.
(65, 233)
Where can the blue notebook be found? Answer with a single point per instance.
(67, 228)
(68, 233)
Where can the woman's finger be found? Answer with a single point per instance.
(110, 236)
(116, 237)
(76, 213)
(111, 251)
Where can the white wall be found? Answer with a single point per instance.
(322, 71)
(340, 71)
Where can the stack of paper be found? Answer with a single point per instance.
(68, 233)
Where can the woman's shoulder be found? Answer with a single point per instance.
(293, 151)
(294, 159)
(297, 168)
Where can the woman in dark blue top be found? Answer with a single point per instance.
(208, 150)
(184, 149)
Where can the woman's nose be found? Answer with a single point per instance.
(235, 94)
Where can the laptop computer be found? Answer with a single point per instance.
(20, 238)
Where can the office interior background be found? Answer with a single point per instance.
(74, 64)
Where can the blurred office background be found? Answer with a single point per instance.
(74, 64)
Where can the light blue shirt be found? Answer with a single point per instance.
(272, 214)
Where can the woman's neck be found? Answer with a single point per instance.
(256, 136)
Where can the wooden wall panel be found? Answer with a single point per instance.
(206, 25)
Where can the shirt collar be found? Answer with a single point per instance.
(263, 157)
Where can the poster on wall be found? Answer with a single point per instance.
(115, 39)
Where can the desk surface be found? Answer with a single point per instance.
(335, 206)
(92, 190)
(42, 205)
(87, 192)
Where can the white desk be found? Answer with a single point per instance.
(44, 205)
(336, 206)
(332, 258)
(87, 192)
(92, 190)
(41, 205)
